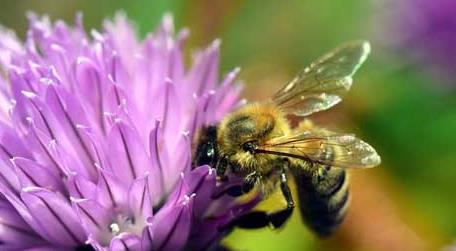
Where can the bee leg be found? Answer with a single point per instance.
(221, 167)
(247, 186)
(236, 190)
(250, 181)
(260, 219)
(252, 220)
(279, 218)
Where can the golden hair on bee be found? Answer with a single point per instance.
(259, 122)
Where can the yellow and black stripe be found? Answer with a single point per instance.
(323, 198)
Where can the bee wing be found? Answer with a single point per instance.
(325, 148)
(324, 83)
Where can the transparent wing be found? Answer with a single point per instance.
(324, 83)
(325, 148)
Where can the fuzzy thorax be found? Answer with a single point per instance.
(254, 123)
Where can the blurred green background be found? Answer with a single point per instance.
(407, 113)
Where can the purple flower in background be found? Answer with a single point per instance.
(425, 32)
(95, 140)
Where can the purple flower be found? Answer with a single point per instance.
(425, 32)
(95, 140)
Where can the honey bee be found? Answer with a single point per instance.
(256, 142)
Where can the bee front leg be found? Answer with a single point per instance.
(220, 167)
(260, 219)
(250, 181)
(247, 186)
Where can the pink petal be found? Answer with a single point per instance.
(125, 242)
(140, 200)
(111, 191)
(54, 213)
(31, 173)
(172, 227)
(127, 152)
(95, 219)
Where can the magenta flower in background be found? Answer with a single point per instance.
(424, 32)
(95, 140)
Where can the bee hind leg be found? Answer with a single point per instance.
(261, 219)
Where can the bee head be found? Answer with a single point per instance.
(245, 130)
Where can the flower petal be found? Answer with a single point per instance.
(92, 86)
(23, 211)
(127, 152)
(177, 69)
(55, 214)
(159, 161)
(95, 219)
(40, 143)
(125, 242)
(7, 176)
(171, 228)
(181, 161)
(146, 239)
(200, 114)
(111, 192)
(13, 229)
(204, 73)
(70, 115)
(31, 173)
(227, 96)
(170, 113)
(139, 198)
(123, 39)
(12, 144)
(80, 187)
(201, 181)
(9, 46)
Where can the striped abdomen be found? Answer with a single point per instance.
(323, 198)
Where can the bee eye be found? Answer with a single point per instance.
(250, 146)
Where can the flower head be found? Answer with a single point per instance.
(95, 139)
